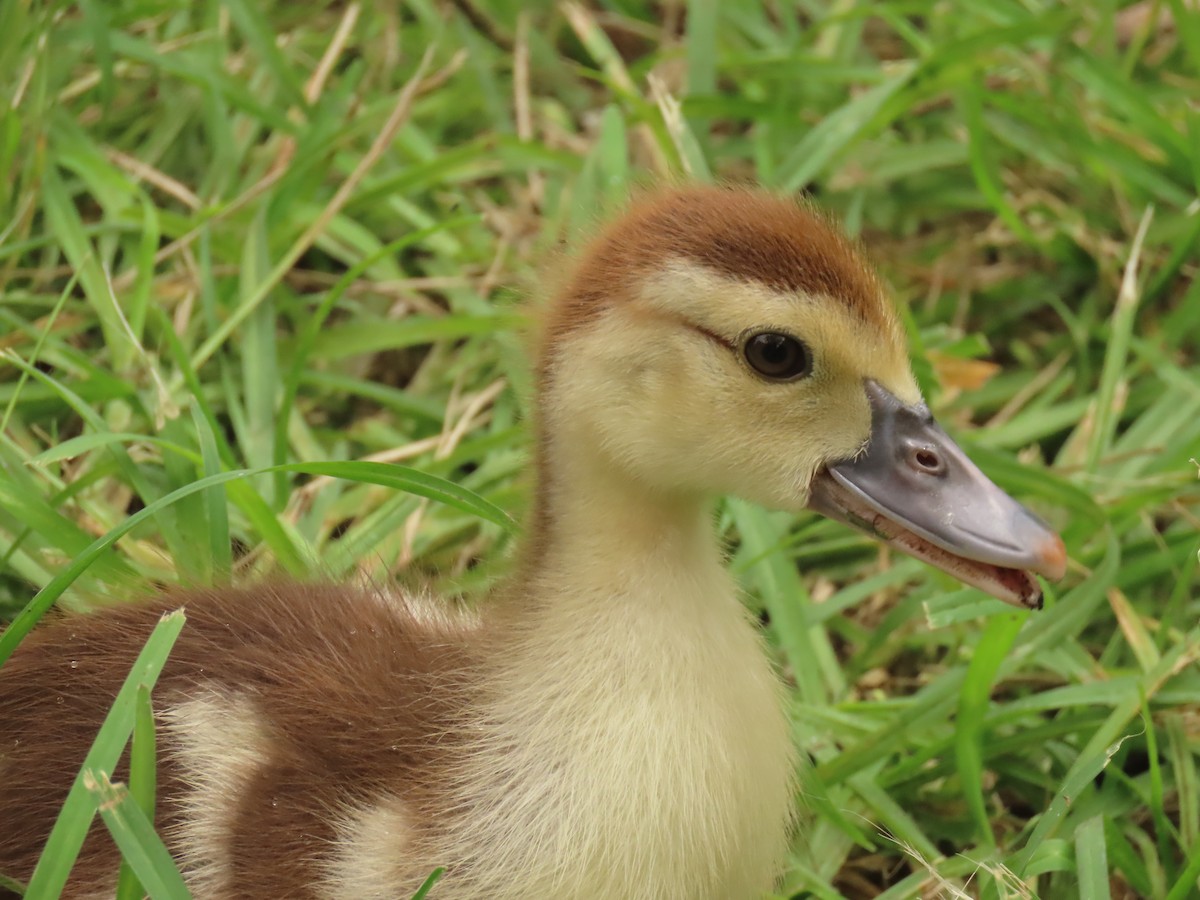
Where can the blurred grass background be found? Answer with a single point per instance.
(235, 235)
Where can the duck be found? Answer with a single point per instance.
(608, 721)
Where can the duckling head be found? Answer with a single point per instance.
(720, 340)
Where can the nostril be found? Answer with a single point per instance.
(927, 461)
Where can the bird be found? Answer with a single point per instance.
(608, 721)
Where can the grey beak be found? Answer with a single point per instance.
(915, 488)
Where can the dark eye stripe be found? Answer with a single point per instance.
(779, 357)
(711, 335)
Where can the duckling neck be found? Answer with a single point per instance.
(640, 718)
(600, 530)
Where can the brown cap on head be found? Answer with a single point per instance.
(742, 233)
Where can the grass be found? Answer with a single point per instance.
(248, 249)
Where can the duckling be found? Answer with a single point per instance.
(609, 725)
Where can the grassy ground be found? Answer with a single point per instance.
(235, 235)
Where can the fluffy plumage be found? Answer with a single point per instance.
(611, 727)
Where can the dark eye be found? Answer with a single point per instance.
(779, 357)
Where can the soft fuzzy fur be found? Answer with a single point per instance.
(611, 726)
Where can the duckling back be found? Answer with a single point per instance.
(304, 734)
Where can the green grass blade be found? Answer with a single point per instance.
(258, 33)
(403, 478)
(1091, 860)
(806, 647)
(216, 513)
(428, 883)
(1120, 332)
(75, 817)
(78, 446)
(1188, 883)
(141, 849)
(357, 338)
(316, 323)
(836, 131)
(142, 769)
(396, 477)
(973, 700)
(65, 223)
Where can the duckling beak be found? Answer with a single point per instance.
(915, 489)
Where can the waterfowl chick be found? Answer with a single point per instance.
(611, 726)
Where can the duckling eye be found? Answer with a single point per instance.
(779, 357)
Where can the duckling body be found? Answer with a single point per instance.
(609, 726)
(638, 753)
(262, 720)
